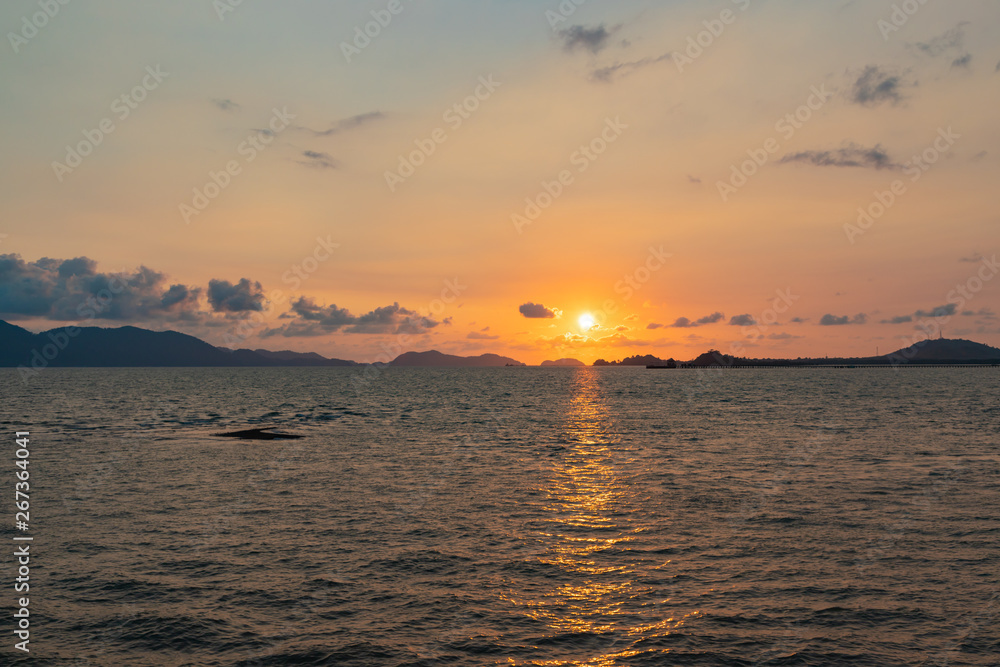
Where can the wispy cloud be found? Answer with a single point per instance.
(851, 155)
(620, 70)
(318, 160)
(948, 41)
(344, 124)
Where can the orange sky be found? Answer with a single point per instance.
(665, 123)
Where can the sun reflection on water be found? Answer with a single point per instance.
(597, 607)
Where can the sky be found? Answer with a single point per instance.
(540, 179)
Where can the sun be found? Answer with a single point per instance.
(587, 321)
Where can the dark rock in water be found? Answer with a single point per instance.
(257, 434)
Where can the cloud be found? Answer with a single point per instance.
(73, 289)
(344, 124)
(478, 335)
(800, 320)
(226, 104)
(589, 39)
(962, 61)
(742, 321)
(243, 297)
(685, 323)
(875, 86)
(313, 320)
(318, 160)
(850, 155)
(946, 310)
(620, 70)
(694, 179)
(941, 311)
(782, 336)
(655, 325)
(950, 40)
(842, 320)
(986, 314)
(536, 311)
(974, 258)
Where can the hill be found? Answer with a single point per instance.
(944, 349)
(131, 347)
(435, 359)
(564, 363)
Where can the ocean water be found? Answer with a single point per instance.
(511, 516)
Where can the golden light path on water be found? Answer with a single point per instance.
(593, 518)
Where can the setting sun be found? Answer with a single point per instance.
(587, 321)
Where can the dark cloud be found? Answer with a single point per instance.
(946, 310)
(312, 320)
(875, 86)
(851, 155)
(842, 320)
(243, 297)
(536, 311)
(655, 325)
(974, 258)
(344, 124)
(685, 323)
(941, 311)
(800, 320)
(589, 39)
(73, 290)
(479, 335)
(694, 179)
(962, 61)
(742, 321)
(318, 160)
(226, 104)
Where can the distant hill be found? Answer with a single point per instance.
(940, 351)
(289, 358)
(435, 359)
(945, 349)
(645, 360)
(713, 358)
(564, 362)
(131, 346)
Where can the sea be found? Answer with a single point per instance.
(506, 516)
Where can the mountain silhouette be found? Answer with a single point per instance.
(131, 346)
(436, 359)
(564, 362)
